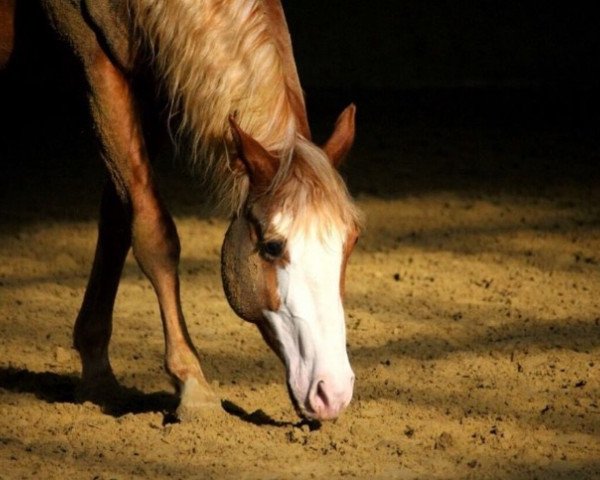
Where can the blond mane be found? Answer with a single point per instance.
(218, 58)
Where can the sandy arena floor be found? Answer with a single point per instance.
(473, 315)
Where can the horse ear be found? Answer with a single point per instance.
(342, 138)
(251, 157)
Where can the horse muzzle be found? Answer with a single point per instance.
(325, 399)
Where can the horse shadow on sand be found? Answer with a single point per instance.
(65, 388)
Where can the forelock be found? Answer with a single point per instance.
(309, 197)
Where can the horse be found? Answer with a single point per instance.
(228, 72)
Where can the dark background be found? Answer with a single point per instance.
(485, 62)
(475, 97)
(393, 44)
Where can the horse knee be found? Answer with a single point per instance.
(156, 244)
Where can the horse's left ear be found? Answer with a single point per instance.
(252, 158)
(342, 138)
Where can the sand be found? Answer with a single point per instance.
(473, 316)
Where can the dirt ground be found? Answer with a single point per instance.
(473, 314)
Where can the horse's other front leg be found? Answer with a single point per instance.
(153, 234)
(93, 326)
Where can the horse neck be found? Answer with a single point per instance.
(281, 37)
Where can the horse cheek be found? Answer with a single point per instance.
(242, 273)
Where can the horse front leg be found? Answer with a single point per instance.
(157, 250)
(93, 326)
(153, 234)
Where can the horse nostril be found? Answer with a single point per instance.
(321, 394)
(326, 401)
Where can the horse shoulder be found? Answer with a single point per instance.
(110, 20)
(92, 27)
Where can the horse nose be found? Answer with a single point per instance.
(327, 400)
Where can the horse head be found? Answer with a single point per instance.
(284, 258)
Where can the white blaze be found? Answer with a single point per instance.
(310, 324)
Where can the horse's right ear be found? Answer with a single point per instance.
(342, 138)
(253, 158)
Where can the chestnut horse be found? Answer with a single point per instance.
(228, 71)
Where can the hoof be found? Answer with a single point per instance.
(197, 400)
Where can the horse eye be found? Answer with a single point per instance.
(273, 249)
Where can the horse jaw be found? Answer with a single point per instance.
(308, 330)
